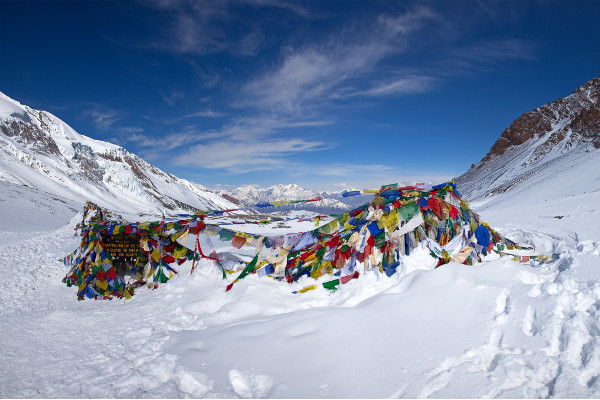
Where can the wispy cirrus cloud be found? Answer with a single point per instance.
(244, 144)
(484, 53)
(349, 170)
(203, 114)
(102, 117)
(278, 105)
(131, 129)
(206, 113)
(311, 76)
(399, 86)
(238, 156)
(196, 27)
(408, 22)
(173, 97)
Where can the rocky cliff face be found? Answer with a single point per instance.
(38, 150)
(577, 114)
(563, 133)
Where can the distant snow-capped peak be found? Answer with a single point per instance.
(251, 194)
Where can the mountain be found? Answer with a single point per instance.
(41, 157)
(252, 194)
(554, 149)
(331, 204)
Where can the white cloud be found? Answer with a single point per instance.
(493, 51)
(404, 85)
(203, 114)
(131, 129)
(197, 27)
(173, 97)
(244, 156)
(103, 118)
(350, 170)
(408, 22)
(310, 77)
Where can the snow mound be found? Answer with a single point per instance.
(10, 110)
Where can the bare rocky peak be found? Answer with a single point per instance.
(578, 113)
(558, 136)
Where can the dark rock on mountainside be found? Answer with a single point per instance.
(578, 113)
(556, 133)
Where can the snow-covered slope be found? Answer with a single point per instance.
(40, 152)
(499, 329)
(554, 150)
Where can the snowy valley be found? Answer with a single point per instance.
(499, 328)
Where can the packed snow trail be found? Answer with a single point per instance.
(498, 329)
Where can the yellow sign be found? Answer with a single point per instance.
(122, 247)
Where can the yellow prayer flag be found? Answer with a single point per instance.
(330, 227)
(389, 222)
(103, 284)
(306, 289)
(315, 273)
(179, 252)
(244, 235)
(349, 226)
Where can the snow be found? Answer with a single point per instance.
(10, 110)
(497, 329)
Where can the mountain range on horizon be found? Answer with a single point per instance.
(46, 165)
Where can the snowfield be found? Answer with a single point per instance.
(496, 329)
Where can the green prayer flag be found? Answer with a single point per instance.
(408, 211)
(226, 235)
(379, 239)
(249, 268)
(331, 285)
(160, 276)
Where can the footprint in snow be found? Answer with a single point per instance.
(529, 327)
(247, 384)
(502, 306)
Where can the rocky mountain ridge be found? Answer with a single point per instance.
(550, 140)
(576, 115)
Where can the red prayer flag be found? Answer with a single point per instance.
(112, 273)
(348, 278)
(100, 275)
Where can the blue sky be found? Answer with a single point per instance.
(326, 94)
